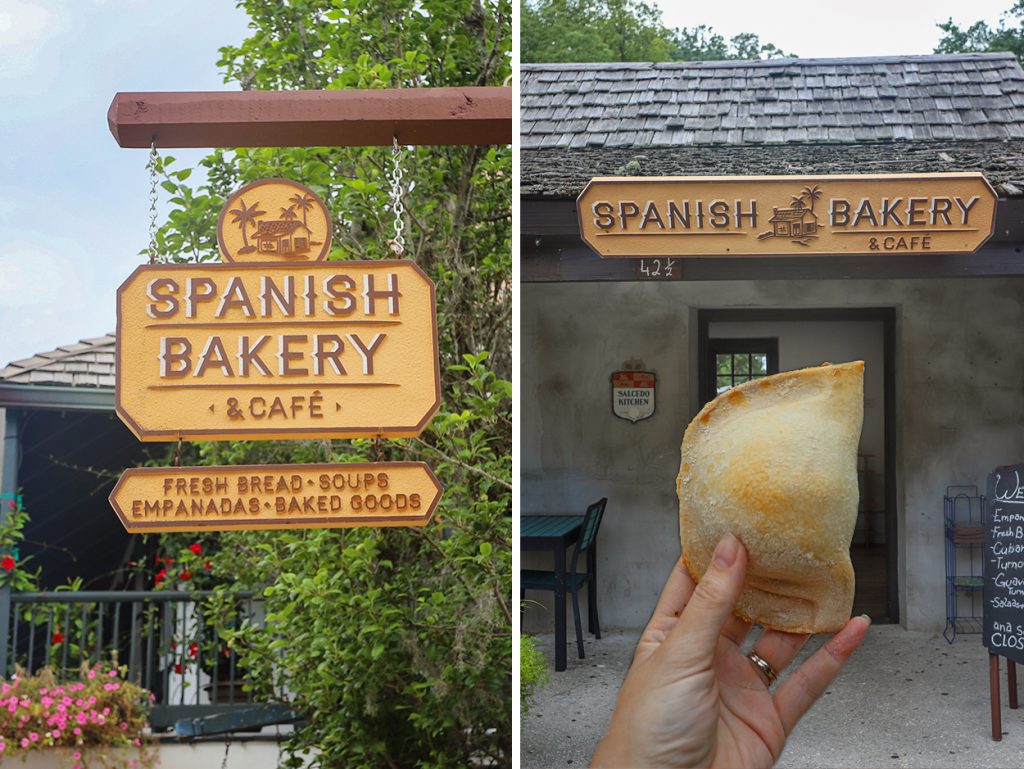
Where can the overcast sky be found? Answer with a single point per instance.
(829, 28)
(73, 205)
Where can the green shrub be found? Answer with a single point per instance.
(533, 671)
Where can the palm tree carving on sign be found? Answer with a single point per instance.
(244, 216)
(798, 222)
(304, 203)
(287, 221)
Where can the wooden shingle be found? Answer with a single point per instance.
(784, 100)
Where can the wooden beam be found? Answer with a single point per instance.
(562, 259)
(364, 118)
(552, 251)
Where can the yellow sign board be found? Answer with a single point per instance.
(786, 215)
(277, 351)
(274, 219)
(149, 499)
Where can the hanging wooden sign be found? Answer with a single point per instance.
(786, 215)
(277, 350)
(149, 499)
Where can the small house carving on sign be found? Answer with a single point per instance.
(633, 392)
(274, 218)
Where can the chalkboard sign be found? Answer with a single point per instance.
(1004, 564)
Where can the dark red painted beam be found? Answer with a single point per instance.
(361, 118)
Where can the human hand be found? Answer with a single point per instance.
(693, 699)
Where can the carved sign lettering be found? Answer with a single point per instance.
(149, 499)
(786, 215)
(275, 351)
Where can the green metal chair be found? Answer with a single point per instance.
(532, 579)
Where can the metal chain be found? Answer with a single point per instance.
(154, 158)
(396, 175)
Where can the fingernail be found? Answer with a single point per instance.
(865, 616)
(725, 552)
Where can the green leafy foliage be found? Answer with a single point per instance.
(979, 36)
(395, 644)
(533, 671)
(623, 30)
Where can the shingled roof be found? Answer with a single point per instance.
(88, 363)
(819, 115)
(969, 96)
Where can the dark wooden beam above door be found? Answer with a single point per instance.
(552, 251)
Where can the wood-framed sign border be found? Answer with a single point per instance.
(277, 433)
(965, 176)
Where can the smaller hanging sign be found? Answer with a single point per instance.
(633, 392)
(149, 499)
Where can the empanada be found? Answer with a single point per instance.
(774, 461)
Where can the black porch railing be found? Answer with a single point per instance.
(162, 638)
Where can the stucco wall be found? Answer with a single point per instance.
(959, 412)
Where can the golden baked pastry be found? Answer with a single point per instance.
(774, 461)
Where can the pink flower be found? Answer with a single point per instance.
(76, 731)
(33, 736)
(76, 755)
(24, 742)
(91, 675)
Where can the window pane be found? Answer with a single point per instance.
(723, 383)
(760, 362)
(741, 363)
(723, 364)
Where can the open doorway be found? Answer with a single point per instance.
(736, 345)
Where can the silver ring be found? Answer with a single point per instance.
(763, 666)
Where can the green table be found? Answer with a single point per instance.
(555, 533)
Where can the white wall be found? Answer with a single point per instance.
(959, 412)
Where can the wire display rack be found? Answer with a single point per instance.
(964, 519)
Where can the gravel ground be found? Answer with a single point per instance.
(906, 699)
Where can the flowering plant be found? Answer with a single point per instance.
(201, 652)
(101, 711)
(190, 570)
(13, 573)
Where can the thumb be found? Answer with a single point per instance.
(713, 600)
